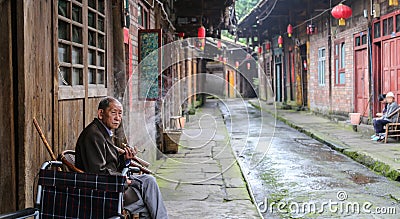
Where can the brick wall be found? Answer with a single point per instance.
(342, 100)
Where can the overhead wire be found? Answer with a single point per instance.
(310, 19)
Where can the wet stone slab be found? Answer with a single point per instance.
(203, 179)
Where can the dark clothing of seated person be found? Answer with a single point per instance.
(379, 123)
(96, 153)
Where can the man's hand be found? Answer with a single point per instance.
(130, 152)
(128, 181)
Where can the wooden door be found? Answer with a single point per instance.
(361, 82)
(391, 67)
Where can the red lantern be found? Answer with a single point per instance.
(341, 12)
(280, 41)
(267, 46)
(248, 66)
(181, 35)
(259, 50)
(201, 32)
(237, 64)
(289, 30)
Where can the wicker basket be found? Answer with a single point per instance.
(171, 141)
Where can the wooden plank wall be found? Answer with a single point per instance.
(35, 97)
(7, 155)
(70, 123)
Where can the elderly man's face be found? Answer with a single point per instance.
(112, 116)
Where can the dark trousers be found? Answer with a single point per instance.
(379, 124)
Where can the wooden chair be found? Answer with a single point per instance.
(393, 129)
(67, 157)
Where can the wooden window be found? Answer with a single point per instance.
(81, 33)
(398, 23)
(321, 66)
(360, 40)
(388, 26)
(143, 16)
(377, 30)
(340, 62)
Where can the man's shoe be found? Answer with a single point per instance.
(376, 138)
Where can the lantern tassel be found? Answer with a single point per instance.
(342, 22)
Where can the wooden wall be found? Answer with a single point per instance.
(7, 155)
(35, 97)
(33, 85)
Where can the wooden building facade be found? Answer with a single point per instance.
(59, 58)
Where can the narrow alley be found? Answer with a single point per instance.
(293, 175)
(289, 174)
(203, 180)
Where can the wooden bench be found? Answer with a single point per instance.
(393, 128)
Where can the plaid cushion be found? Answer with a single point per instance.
(79, 195)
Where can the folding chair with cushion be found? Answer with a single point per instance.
(76, 195)
(137, 209)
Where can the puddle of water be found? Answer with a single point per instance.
(360, 179)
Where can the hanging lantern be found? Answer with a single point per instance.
(219, 44)
(289, 30)
(237, 64)
(224, 60)
(393, 2)
(181, 35)
(305, 64)
(341, 12)
(201, 32)
(280, 41)
(260, 50)
(248, 66)
(267, 46)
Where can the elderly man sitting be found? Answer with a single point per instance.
(96, 153)
(387, 117)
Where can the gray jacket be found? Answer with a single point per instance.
(390, 109)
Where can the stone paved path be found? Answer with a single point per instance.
(203, 180)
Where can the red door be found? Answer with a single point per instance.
(391, 67)
(361, 82)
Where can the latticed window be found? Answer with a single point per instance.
(81, 42)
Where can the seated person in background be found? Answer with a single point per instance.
(381, 99)
(386, 117)
(96, 153)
